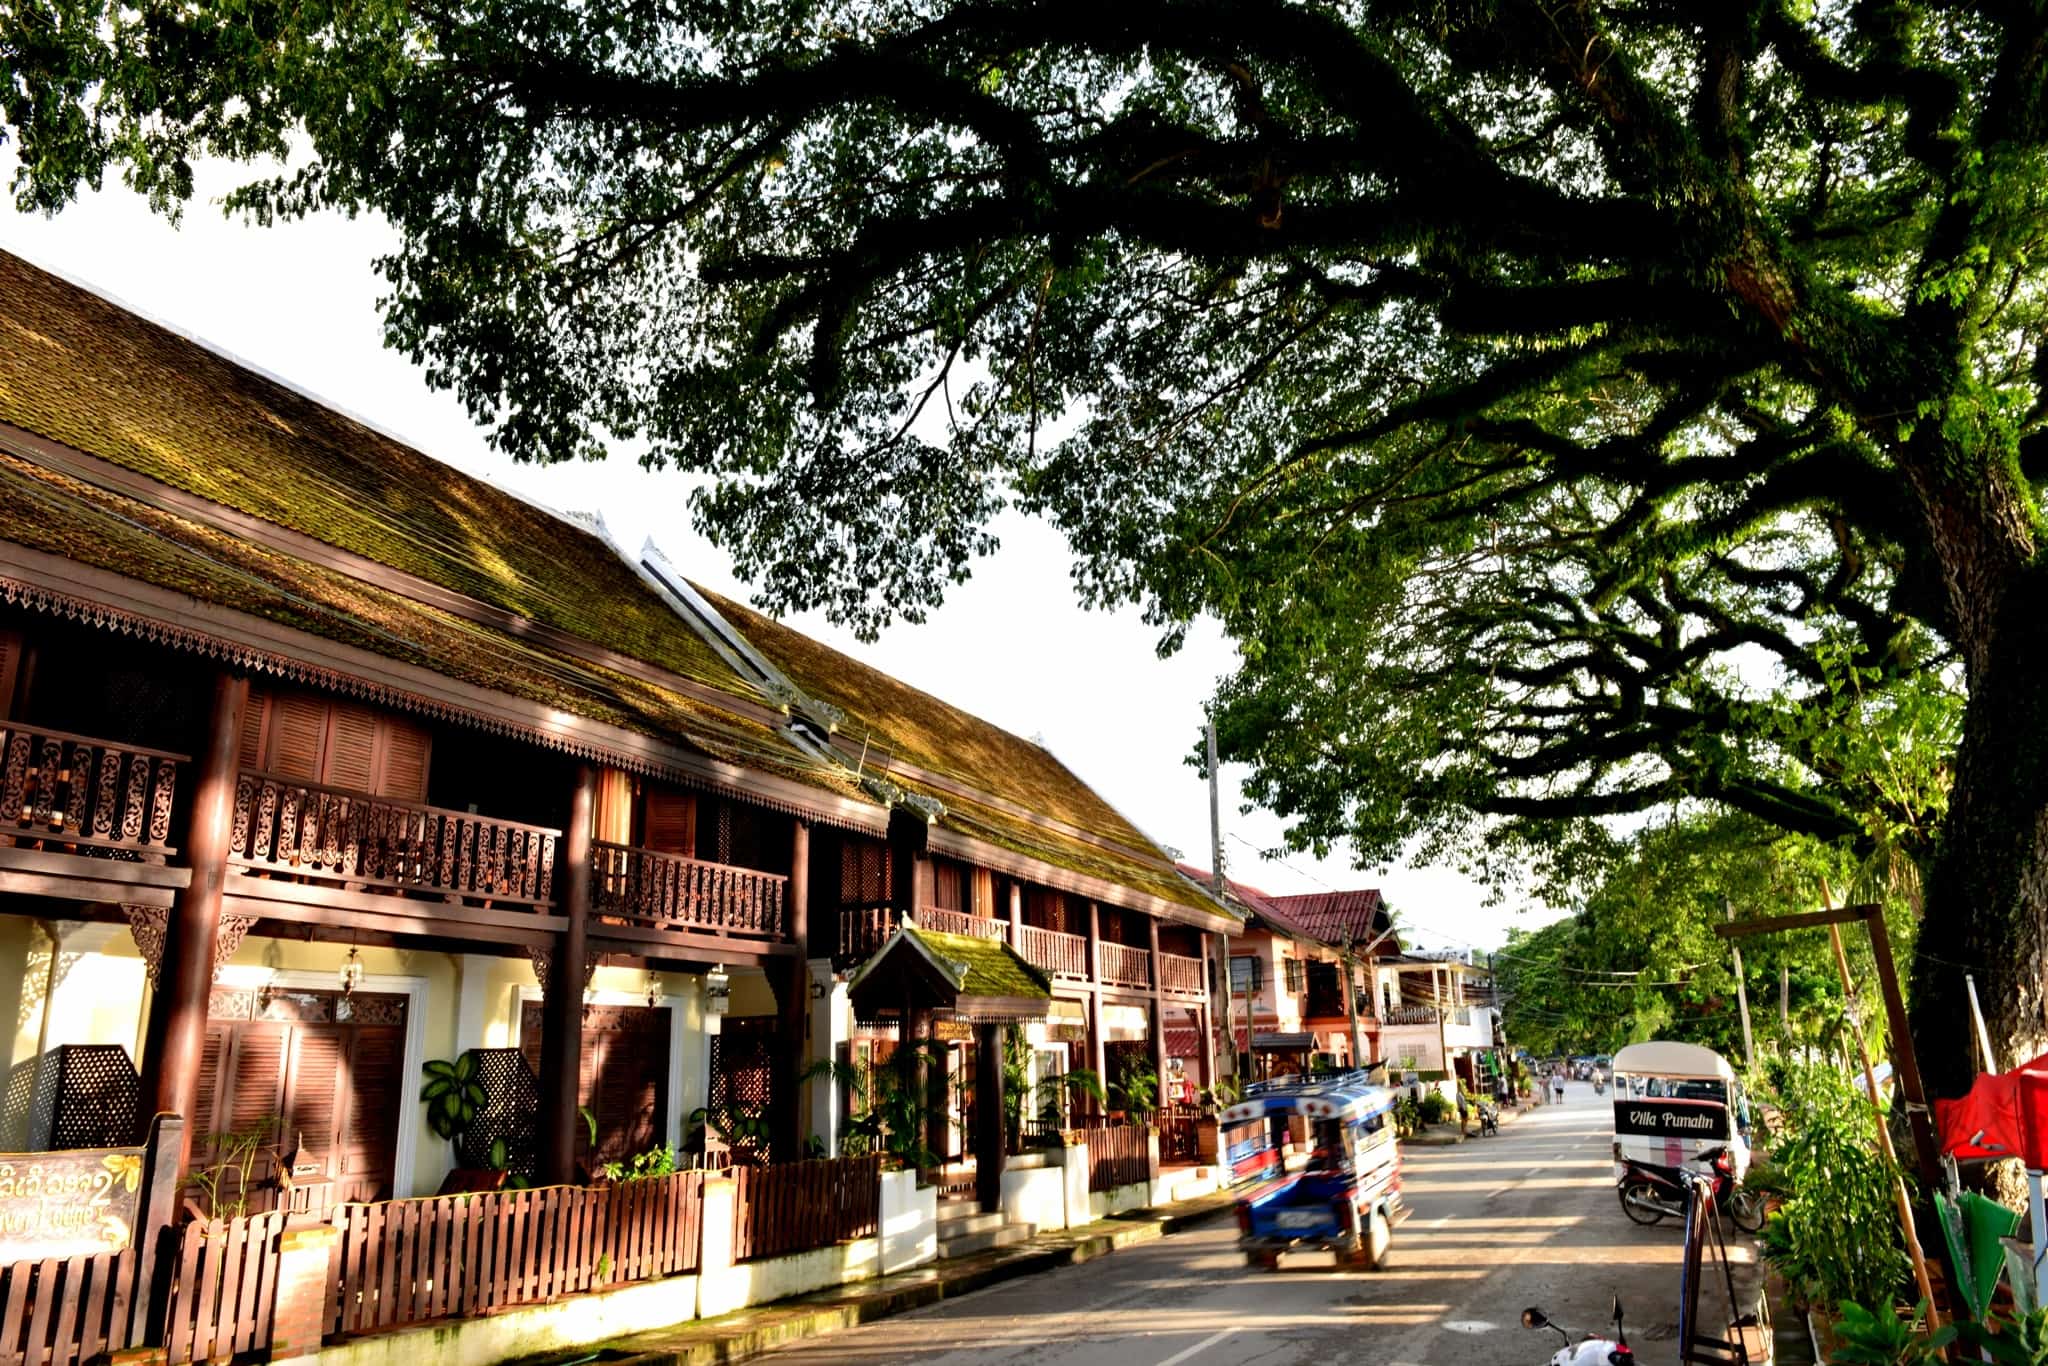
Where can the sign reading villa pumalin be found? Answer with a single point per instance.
(68, 1204)
(1651, 1117)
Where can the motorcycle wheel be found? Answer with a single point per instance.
(1746, 1208)
(1639, 1202)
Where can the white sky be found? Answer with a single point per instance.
(298, 300)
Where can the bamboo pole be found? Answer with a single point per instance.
(1904, 1202)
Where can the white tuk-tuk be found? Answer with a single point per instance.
(1676, 1101)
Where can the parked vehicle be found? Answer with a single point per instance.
(1674, 1103)
(1347, 1199)
(1651, 1194)
(1588, 1351)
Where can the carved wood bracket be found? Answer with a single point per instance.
(148, 925)
(543, 960)
(150, 928)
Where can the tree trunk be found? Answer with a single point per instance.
(1987, 896)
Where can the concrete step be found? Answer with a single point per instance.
(965, 1220)
(1004, 1236)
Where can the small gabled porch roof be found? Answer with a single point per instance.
(955, 975)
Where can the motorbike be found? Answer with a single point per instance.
(1650, 1193)
(1588, 1351)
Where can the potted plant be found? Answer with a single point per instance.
(454, 1097)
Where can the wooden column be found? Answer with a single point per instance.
(1098, 1059)
(561, 1054)
(175, 1037)
(1158, 1013)
(990, 1149)
(795, 997)
(1016, 910)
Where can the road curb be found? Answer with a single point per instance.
(748, 1332)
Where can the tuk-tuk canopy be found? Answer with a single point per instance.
(1662, 1058)
(1344, 1096)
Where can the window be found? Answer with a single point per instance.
(1297, 976)
(1245, 975)
(340, 744)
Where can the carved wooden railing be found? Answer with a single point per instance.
(1411, 1015)
(1178, 972)
(668, 891)
(1125, 966)
(1062, 955)
(315, 833)
(71, 790)
(959, 922)
(862, 930)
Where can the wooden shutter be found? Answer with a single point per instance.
(298, 737)
(946, 888)
(312, 1109)
(671, 822)
(255, 726)
(403, 751)
(368, 1149)
(10, 669)
(351, 757)
(204, 1118)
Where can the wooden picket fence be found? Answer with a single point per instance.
(801, 1205)
(410, 1261)
(1120, 1155)
(224, 1288)
(63, 1312)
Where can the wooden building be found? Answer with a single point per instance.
(320, 759)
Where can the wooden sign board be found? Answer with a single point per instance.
(68, 1204)
(1061, 1031)
(952, 1031)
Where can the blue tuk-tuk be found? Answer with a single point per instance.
(1347, 1198)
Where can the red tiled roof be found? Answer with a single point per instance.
(1257, 902)
(1328, 916)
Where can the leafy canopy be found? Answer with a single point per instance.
(1558, 401)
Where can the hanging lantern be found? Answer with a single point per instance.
(653, 989)
(351, 973)
(717, 998)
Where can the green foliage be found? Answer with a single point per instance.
(1138, 1084)
(232, 1156)
(659, 1160)
(1434, 1107)
(1407, 1116)
(1836, 1235)
(453, 1095)
(1884, 1339)
(2021, 1341)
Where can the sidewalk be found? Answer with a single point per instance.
(1446, 1135)
(736, 1336)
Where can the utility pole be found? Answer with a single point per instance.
(1351, 1006)
(1741, 992)
(1228, 1059)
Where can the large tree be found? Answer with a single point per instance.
(1558, 399)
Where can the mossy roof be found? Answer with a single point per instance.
(80, 370)
(59, 515)
(976, 970)
(892, 720)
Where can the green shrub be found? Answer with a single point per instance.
(1836, 1237)
(1435, 1108)
(1864, 1338)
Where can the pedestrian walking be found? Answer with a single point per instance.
(1557, 1087)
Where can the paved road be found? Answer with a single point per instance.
(1527, 1218)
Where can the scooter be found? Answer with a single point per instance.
(1651, 1194)
(1589, 1351)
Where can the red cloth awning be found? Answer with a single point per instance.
(2004, 1115)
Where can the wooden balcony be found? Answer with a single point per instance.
(86, 819)
(1181, 975)
(307, 844)
(650, 890)
(1062, 955)
(1125, 966)
(959, 922)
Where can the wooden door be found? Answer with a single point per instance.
(623, 1079)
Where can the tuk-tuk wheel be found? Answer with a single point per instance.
(1373, 1244)
(1264, 1261)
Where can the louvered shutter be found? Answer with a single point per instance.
(298, 737)
(10, 668)
(370, 1104)
(985, 893)
(671, 822)
(625, 1081)
(255, 1087)
(351, 757)
(312, 1111)
(204, 1119)
(255, 725)
(403, 750)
